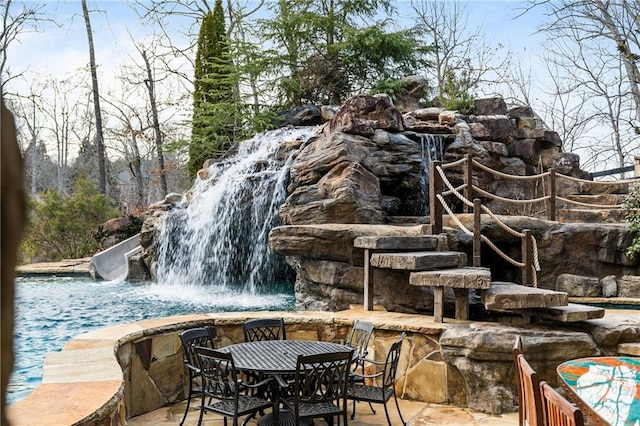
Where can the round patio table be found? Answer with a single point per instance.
(277, 357)
(606, 389)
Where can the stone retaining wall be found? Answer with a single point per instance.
(109, 375)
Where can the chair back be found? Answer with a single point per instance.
(264, 329)
(191, 338)
(556, 410)
(218, 373)
(322, 378)
(531, 406)
(359, 337)
(391, 363)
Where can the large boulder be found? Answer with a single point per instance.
(362, 115)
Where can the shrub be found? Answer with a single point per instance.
(632, 214)
(62, 226)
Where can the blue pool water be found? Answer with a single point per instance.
(50, 311)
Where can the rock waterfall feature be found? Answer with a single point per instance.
(217, 234)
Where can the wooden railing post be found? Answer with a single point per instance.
(477, 232)
(527, 250)
(435, 208)
(468, 180)
(551, 205)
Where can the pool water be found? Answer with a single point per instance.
(51, 310)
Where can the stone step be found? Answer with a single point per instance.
(505, 296)
(600, 199)
(419, 261)
(570, 313)
(577, 215)
(632, 349)
(455, 278)
(421, 242)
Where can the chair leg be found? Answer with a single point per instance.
(202, 412)
(386, 413)
(372, 410)
(186, 410)
(353, 413)
(398, 408)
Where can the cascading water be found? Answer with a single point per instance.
(218, 235)
(432, 149)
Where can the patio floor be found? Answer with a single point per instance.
(415, 413)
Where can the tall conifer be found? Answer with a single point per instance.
(213, 98)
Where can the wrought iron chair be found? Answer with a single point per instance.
(264, 329)
(529, 398)
(556, 410)
(225, 392)
(379, 394)
(358, 339)
(319, 387)
(200, 336)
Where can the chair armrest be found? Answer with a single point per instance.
(371, 361)
(282, 382)
(257, 384)
(365, 376)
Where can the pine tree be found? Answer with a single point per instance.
(214, 109)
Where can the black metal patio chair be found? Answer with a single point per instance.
(319, 388)
(226, 394)
(358, 339)
(264, 329)
(382, 392)
(200, 336)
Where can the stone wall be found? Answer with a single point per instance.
(109, 375)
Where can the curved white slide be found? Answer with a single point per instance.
(113, 263)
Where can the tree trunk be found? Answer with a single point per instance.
(150, 83)
(102, 172)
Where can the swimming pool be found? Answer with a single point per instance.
(51, 310)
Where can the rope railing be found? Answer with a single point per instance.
(467, 192)
(527, 239)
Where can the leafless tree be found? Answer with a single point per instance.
(596, 45)
(102, 172)
(454, 46)
(14, 23)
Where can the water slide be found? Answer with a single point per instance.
(113, 263)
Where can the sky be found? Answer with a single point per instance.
(61, 50)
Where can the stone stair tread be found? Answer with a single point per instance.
(468, 277)
(420, 242)
(419, 261)
(629, 348)
(573, 312)
(506, 296)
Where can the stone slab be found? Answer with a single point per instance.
(570, 313)
(509, 296)
(419, 261)
(422, 242)
(455, 278)
(632, 349)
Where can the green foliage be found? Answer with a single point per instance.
(632, 214)
(323, 52)
(391, 87)
(215, 111)
(456, 94)
(62, 226)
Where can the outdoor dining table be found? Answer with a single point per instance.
(606, 389)
(274, 357)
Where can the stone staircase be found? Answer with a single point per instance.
(432, 265)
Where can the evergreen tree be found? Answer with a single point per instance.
(214, 109)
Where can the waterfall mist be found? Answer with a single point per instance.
(218, 234)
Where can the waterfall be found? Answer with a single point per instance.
(218, 234)
(431, 149)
